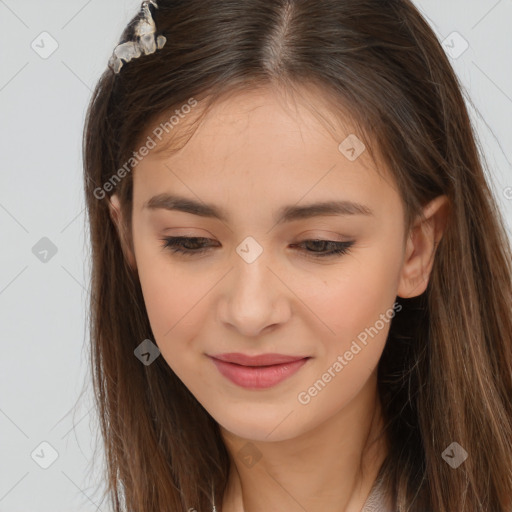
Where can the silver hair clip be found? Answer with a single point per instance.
(145, 43)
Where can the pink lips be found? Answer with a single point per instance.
(257, 372)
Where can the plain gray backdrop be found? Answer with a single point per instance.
(52, 54)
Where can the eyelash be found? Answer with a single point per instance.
(175, 244)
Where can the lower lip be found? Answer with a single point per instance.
(258, 377)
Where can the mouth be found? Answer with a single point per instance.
(258, 372)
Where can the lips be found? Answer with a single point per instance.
(260, 360)
(257, 372)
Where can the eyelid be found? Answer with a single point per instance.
(188, 232)
(323, 234)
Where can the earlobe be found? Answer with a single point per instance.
(421, 247)
(114, 207)
(117, 218)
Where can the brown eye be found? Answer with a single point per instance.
(325, 248)
(186, 245)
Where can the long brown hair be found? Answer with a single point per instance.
(446, 373)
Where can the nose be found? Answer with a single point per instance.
(254, 300)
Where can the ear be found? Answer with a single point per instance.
(421, 246)
(117, 218)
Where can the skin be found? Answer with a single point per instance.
(251, 156)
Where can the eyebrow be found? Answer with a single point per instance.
(285, 214)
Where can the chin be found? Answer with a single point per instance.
(266, 424)
(260, 432)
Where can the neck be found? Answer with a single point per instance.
(322, 469)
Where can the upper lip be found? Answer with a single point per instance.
(259, 360)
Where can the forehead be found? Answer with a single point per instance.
(259, 110)
(262, 145)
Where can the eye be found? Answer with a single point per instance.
(334, 248)
(196, 245)
(185, 245)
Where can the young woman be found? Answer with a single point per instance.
(301, 281)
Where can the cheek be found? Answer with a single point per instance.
(173, 301)
(177, 306)
(363, 290)
(172, 296)
(358, 307)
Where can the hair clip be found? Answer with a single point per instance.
(145, 42)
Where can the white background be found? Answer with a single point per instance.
(43, 333)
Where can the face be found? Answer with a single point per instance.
(262, 275)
